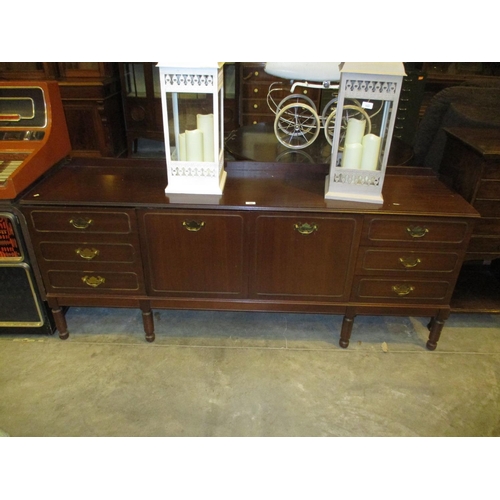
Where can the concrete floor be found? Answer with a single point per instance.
(251, 374)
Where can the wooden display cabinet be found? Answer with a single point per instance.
(105, 235)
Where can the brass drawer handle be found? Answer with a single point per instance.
(305, 228)
(87, 253)
(402, 290)
(80, 222)
(417, 231)
(409, 262)
(93, 281)
(193, 225)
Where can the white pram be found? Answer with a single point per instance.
(297, 123)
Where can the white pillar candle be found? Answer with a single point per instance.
(205, 123)
(351, 157)
(194, 145)
(182, 156)
(355, 131)
(371, 149)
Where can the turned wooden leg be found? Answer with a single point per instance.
(60, 322)
(435, 327)
(345, 333)
(147, 321)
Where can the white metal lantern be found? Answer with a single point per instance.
(193, 120)
(364, 122)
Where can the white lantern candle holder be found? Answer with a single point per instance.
(364, 123)
(193, 121)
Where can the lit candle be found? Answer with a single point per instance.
(205, 123)
(351, 158)
(194, 145)
(371, 149)
(355, 131)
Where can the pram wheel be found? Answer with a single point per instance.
(349, 111)
(296, 125)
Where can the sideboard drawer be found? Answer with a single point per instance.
(94, 282)
(399, 231)
(118, 253)
(378, 260)
(79, 221)
(400, 290)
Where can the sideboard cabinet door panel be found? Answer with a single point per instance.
(194, 253)
(304, 257)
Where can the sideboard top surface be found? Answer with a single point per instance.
(249, 186)
(485, 141)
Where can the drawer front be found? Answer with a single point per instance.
(82, 221)
(484, 244)
(400, 290)
(119, 253)
(260, 90)
(487, 208)
(375, 261)
(254, 119)
(488, 190)
(256, 106)
(93, 282)
(419, 231)
(487, 226)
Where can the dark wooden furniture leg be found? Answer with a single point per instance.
(435, 327)
(148, 322)
(345, 333)
(60, 321)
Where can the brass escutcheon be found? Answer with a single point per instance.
(93, 281)
(402, 289)
(80, 222)
(87, 253)
(409, 262)
(305, 228)
(193, 225)
(417, 231)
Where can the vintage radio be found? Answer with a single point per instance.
(33, 138)
(33, 133)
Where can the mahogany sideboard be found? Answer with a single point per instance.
(105, 234)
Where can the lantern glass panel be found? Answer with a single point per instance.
(190, 126)
(364, 134)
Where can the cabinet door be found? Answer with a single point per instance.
(194, 253)
(304, 257)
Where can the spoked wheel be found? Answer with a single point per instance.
(296, 125)
(349, 111)
(297, 98)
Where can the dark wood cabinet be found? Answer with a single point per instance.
(105, 234)
(471, 167)
(194, 253)
(299, 256)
